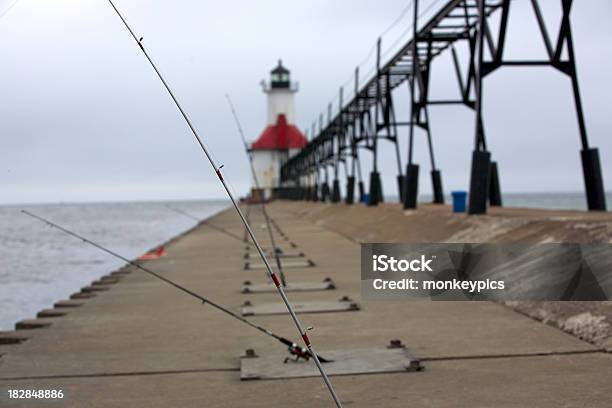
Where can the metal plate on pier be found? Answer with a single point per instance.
(255, 255)
(279, 308)
(345, 362)
(327, 284)
(288, 264)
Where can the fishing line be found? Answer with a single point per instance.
(217, 170)
(249, 155)
(294, 349)
(205, 222)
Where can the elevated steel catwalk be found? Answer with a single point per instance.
(370, 116)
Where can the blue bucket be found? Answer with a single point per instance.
(459, 201)
(366, 198)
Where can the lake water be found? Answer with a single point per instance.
(40, 265)
(557, 201)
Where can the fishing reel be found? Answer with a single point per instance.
(298, 352)
(302, 353)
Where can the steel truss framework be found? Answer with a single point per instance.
(481, 27)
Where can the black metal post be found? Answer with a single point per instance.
(315, 187)
(412, 170)
(375, 183)
(591, 168)
(593, 180)
(495, 197)
(412, 186)
(361, 188)
(436, 183)
(325, 188)
(436, 176)
(335, 197)
(356, 166)
(375, 189)
(350, 190)
(479, 182)
(481, 159)
(401, 187)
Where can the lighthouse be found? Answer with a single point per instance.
(280, 139)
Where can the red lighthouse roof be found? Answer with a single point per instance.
(280, 136)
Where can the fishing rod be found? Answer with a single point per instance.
(217, 170)
(293, 348)
(262, 201)
(248, 217)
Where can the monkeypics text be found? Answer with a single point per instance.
(386, 263)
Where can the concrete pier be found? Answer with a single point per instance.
(138, 342)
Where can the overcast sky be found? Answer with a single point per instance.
(84, 118)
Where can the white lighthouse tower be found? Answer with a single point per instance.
(280, 139)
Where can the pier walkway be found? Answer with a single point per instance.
(141, 343)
